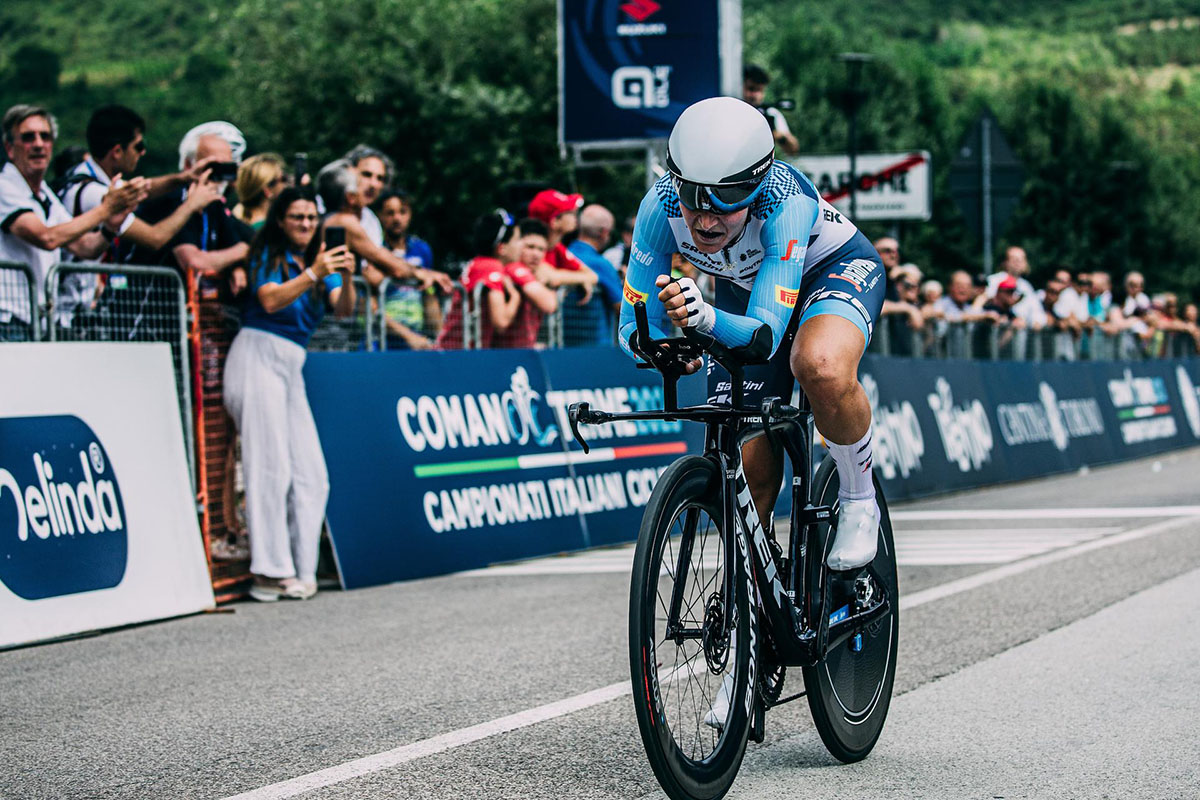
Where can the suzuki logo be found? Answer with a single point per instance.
(641, 10)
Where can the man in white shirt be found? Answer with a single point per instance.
(1016, 265)
(375, 171)
(34, 225)
(116, 143)
(1071, 304)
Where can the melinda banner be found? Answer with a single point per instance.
(443, 461)
(97, 518)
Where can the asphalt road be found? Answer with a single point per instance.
(1042, 654)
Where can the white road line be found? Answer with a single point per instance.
(903, 515)
(523, 719)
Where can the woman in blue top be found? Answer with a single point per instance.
(292, 278)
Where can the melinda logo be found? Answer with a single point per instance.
(62, 520)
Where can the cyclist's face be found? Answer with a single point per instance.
(712, 232)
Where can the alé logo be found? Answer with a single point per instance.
(62, 519)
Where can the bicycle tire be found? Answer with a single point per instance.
(849, 692)
(668, 705)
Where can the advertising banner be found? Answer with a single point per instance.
(97, 521)
(891, 186)
(945, 425)
(628, 68)
(432, 472)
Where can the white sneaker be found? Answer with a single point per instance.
(857, 535)
(716, 716)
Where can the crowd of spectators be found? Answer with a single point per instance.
(1069, 308)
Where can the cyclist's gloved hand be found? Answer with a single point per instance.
(685, 305)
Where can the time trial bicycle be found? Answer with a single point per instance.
(718, 611)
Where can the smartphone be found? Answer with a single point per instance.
(299, 166)
(335, 236)
(224, 171)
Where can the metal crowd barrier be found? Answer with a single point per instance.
(94, 302)
(984, 340)
(20, 320)
(355, 332)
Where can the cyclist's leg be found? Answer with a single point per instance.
(844, 296)
(761, 462)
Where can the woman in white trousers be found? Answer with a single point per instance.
(292, 278)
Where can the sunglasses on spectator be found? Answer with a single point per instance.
(29, 137)
(887, 249)
(506, 225)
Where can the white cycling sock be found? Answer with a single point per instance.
(854, 468)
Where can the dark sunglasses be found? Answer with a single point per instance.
(140, 145)
(717, 199)
(29, 137)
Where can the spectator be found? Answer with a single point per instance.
(413, 314)
(493, 241)
(537, 299)
(901, 313)
(1191, 318)
(560, 214)
(1071, 304)
(116, 141)
(618, 254)
(1068, 327)
(754, 91)
(1016, 265)
(292, 278)
(930, 292)
(212, 241)
(1135, 302)
(259, 179)
(955, 305)
(34, 224)
(1003, 305)
(375, 172)
(338, 184)
(1099, 302)
(594, 323)
(889, 253)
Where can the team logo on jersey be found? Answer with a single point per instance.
(856, 273)
(632, 295)
(791, 244)
(786, 297)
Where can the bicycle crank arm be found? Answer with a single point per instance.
(843, 630)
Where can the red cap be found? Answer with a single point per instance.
(1008, 283)
(548, 204)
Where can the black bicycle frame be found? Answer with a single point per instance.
(796, 605)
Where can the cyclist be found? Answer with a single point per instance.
(795, 281)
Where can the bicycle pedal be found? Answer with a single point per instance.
(811, 514)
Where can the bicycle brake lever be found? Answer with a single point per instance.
(768, 409)
(573, 413)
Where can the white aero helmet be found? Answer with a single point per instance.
(718, 154)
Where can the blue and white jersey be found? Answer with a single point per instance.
(789, 230)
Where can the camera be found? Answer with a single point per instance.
(299, 166)
(223, 171)
(335, 236)
(778, 105)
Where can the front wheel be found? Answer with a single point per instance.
(850, 691)
(692, 656)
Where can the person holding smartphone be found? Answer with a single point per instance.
(337, 183)
(293, 277)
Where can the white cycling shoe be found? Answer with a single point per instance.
(857, 535)
(716, 716)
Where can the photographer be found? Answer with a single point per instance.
(338, 185)
(292, 278)
(754, 91)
